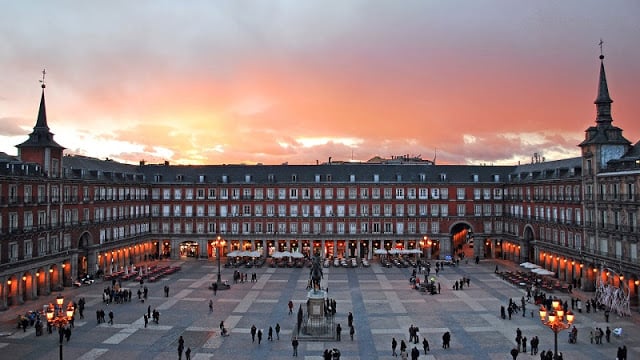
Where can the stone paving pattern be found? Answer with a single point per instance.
(383, 304)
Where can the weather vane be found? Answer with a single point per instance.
(44, 72)
(600, 44)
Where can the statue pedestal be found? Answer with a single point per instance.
(317, 324)
(315, 303)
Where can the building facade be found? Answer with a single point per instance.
(65, 216)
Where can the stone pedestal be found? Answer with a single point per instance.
(317, 326)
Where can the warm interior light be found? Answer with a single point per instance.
(637, 282)
(581, 266)
(64, 265)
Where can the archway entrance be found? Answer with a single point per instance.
(83, 254)
(462, 240)
(528, 240)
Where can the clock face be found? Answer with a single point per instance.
(610, 152)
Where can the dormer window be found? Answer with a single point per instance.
(294, 178)
(247, 178)
(352, 178)
(271, 178)
(201, 178)
(475, 177)
(225, 179)
(443, 177)
(179, 177)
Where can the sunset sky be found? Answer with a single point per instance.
(213, 82)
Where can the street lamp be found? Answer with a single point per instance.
(59, 318)
(556, 321)
(219, 243)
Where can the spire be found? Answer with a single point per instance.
(42, 111)
(603, 101)
(41, 135)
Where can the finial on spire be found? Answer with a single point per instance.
(44, 72)
(601, 52)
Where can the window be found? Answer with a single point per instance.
(212, 194)
(423, 193)
(375, 193)
(460, 193)
(444, 210)
(387, 193)
(328, 193)
(13, 252)
(364, 193)
(460, 209)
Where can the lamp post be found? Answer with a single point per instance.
(556, 320)
(59, 318)
(219, 243)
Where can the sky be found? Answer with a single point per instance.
(299, 81)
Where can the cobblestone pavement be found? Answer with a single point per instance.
(383, 304)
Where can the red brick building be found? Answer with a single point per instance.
(65, 216)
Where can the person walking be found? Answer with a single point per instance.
(180, 347)
(425, 345)
(338, 331)
(294, 344)
(187, 354)
(253, 333)
(146, 320)
(394, 344)
(278, 331)
(210, 306)
(352, 331)
(259, 336)
(270, 334)
(110, 317)
(290, 307)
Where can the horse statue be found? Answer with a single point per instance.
(316, 273)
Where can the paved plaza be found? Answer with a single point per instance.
(383, 304)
